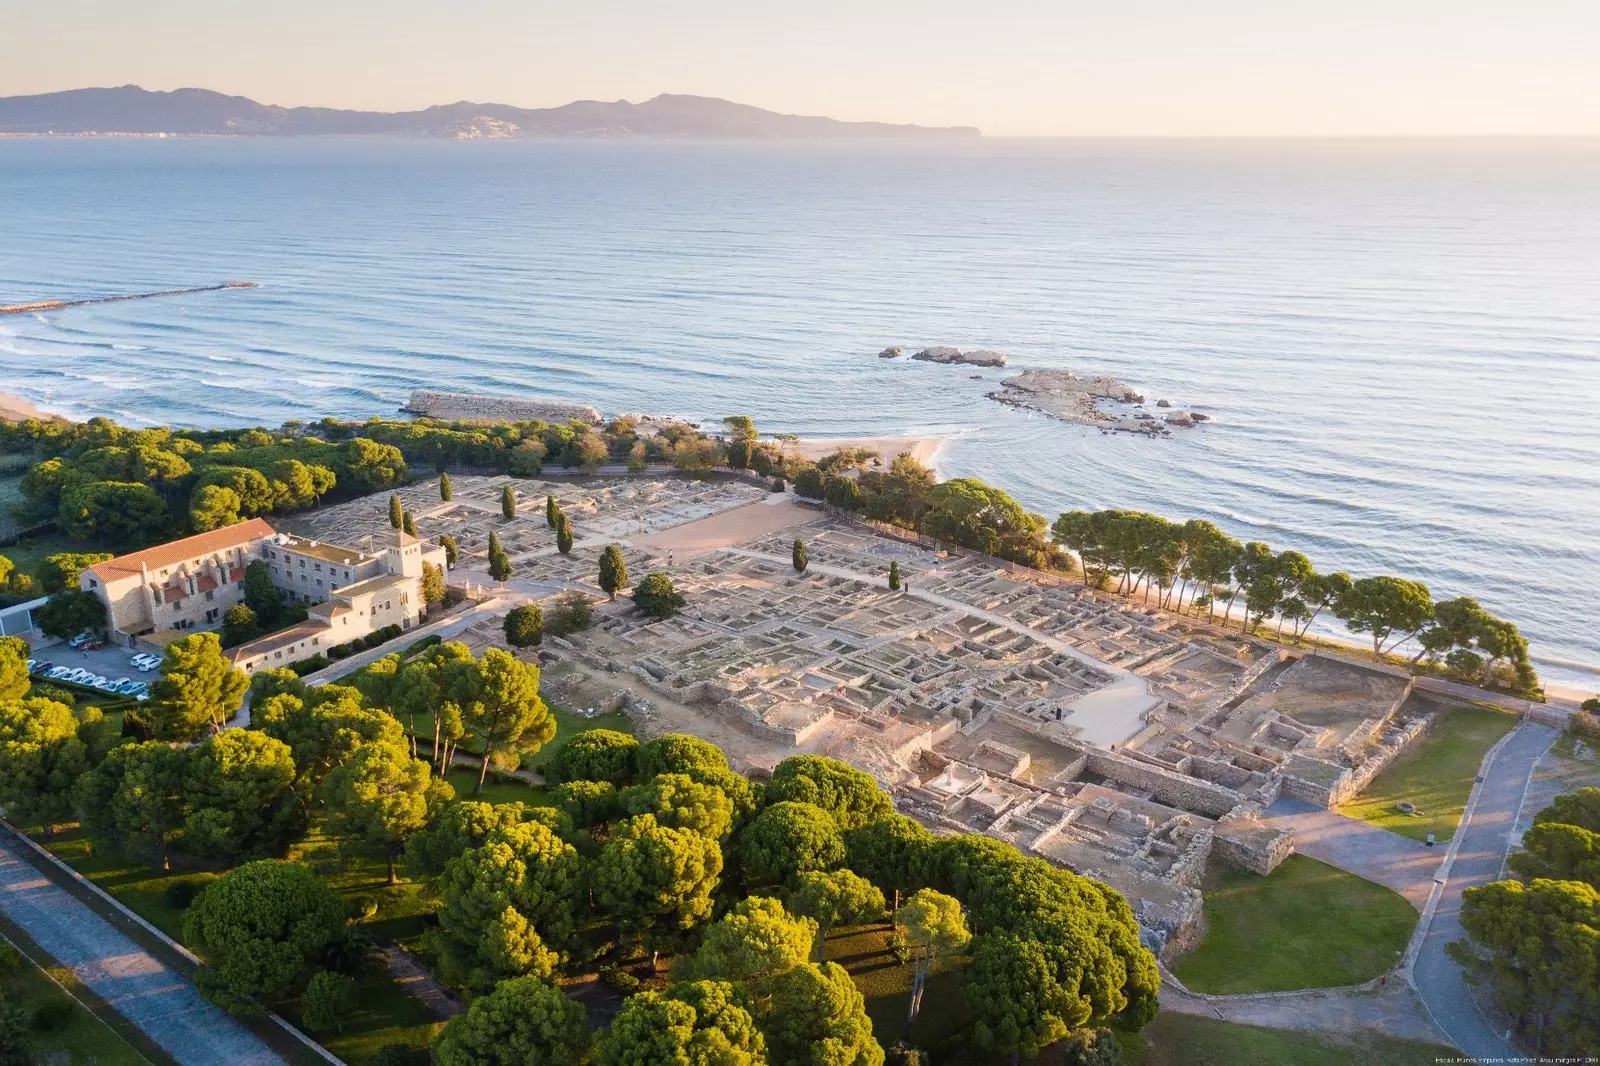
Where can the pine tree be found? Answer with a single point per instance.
(799, 556)
(396, 511)
(499, 562)
(508, 502)
(444, 487)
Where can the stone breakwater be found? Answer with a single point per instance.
(57, 305)
(481, 407)
(1062, 394)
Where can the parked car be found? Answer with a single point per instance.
(133, 688)
(94, 645)
(80, 640)
(55, 673)
(145, 661)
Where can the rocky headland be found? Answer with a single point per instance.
(1062, 394)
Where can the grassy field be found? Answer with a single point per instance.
(28, 554)
(1185, 1040)
(1436, 775)
(75, 1034)
(886, 983)
(1307, 925)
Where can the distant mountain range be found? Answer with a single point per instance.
(133, 110)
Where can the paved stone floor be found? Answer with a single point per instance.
(1407, 866)
(161, 1002)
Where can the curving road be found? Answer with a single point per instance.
(1481, 844)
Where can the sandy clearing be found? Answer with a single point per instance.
(922, 449)
(750, 522)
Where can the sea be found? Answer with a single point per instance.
(1397, 342)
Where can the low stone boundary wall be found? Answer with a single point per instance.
(81, 886)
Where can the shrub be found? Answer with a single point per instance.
(311, 665)
(10, 958)
(619, 980)
(54, 692)
(327, 1000)
(569, 614)
(180, 894)
(51, 1016)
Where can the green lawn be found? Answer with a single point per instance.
(886, 983)
(31, 551)
(1307, 925)
(1436, 775)
(76, 1035)
(497, 789)
(1186, 1040)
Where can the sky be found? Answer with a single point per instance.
(1038, 68)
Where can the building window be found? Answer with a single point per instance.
(175, 607)
(210, 596)
(346, 576)
(317, 568)
(302, 564)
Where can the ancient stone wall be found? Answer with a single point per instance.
(1174, 790)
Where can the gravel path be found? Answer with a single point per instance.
(161, 1002)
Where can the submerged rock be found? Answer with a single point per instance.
(889, 353)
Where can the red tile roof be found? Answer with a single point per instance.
(181, 551)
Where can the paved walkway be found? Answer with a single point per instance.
(1392, 1009)
(1386, 858)
(1481, 845)
(161, 1002)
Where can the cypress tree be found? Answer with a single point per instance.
(799, 556)
(564, 536)
(444, 487)
(508, 502)
(407, 523)
(396, 511)
(499, 562)
(550, 511)
(613, 570)
(894, 575)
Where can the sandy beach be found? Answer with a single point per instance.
(923, 449)
(14, 408)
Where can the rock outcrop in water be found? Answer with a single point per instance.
(946, 354)
(478, 407)
(1062, 394)
(889, 353)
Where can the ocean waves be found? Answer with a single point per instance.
(1400, 348)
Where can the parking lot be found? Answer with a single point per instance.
(110, 662)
